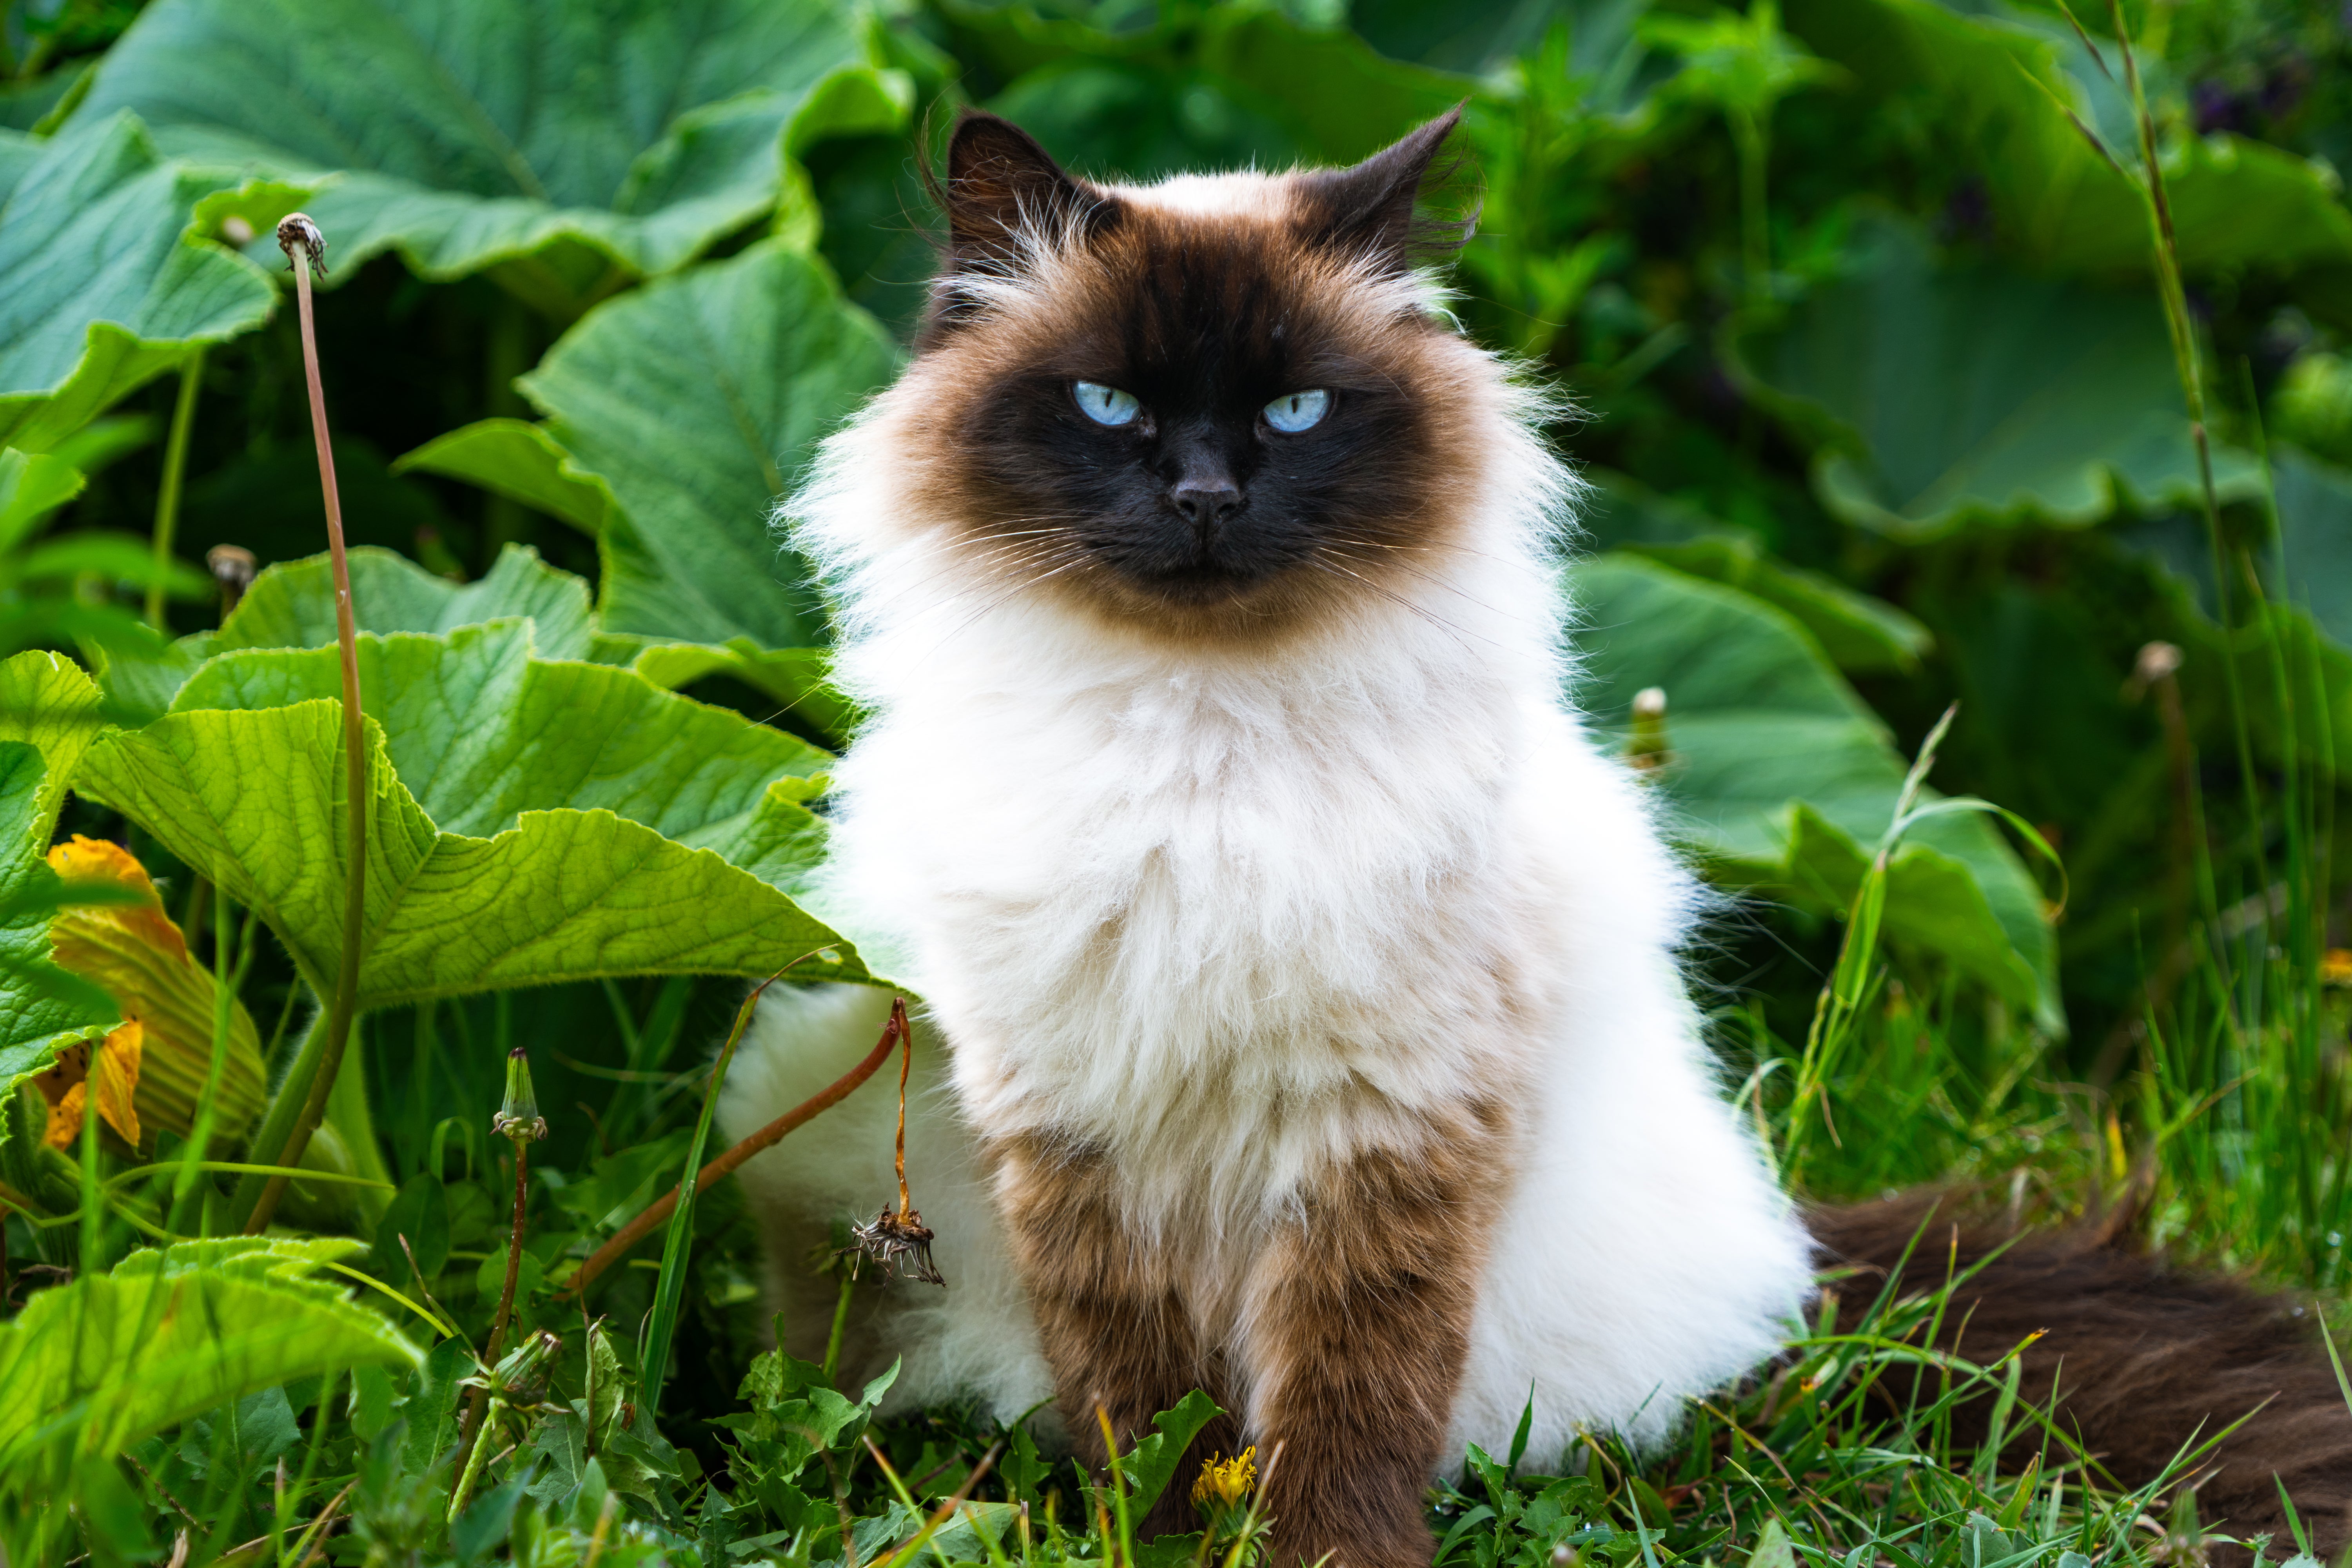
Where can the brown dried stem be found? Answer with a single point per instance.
(299, 234)
(767, 1137)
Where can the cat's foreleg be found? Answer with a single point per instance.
(1360, 1327)
(1110, 1307)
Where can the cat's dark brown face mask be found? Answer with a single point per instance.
(1207, 402)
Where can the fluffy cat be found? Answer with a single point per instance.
(1307, 976)
(1304, 1015)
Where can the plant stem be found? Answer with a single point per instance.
(2165, 247)
(468, 1434)
(175, 469)
(840, 1325)
(669, 1288)
(471, 1468)
(186, 1202)
(298, 233)
(1749, 139)
(767, 1137)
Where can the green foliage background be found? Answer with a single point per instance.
(1855, 301)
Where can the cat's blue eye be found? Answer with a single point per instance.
(1296, 411)
(1107, 405)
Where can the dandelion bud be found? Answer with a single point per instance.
(519, 1115)
(1645, 749)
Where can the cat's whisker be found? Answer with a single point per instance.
(1008, 593)
(1435, 619)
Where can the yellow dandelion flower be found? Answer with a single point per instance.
(2336, 966)
(1226, 1484)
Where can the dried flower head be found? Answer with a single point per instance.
(296, 230)
(233, 566)
(899, 1243)
(1225, 1485)
(897, 1238)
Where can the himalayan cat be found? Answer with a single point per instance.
(1303, 1014)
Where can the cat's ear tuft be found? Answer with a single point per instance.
(1004, 192)
(1368, 210)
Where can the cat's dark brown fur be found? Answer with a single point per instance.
(2147, 1360)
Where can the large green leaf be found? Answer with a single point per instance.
(570, 142)
(49, 716)
(167, 1335)
(110, 280)
(1482, 36)
(1230, 86)
(480, 731)
(519, 460)
(2315, 511)
(562, 889)
(698, 401)
(292, 604)
(1782, 779)
(1992, 85)
(1951, 394)
(1860, 634)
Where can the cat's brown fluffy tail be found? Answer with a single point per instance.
(2143, 1355)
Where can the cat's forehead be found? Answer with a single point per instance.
(1210, 285)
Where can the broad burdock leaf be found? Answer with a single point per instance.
(49, 716)
(2315, 542)
(110, 1358)
(1860, 634)
(1780, 777)
(570, 145)
(1998, 88)
(697, 400)
(521, 462)
(536, 759)
(292, 605)
(112, 278)
(480, 731)
(1947, 396)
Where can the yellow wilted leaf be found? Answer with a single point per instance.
(135, 952)
(66, 1086)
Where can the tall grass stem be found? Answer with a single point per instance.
(175, 469)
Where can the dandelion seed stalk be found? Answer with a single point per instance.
(898, 1238)
(313, 1074)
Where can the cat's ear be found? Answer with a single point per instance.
(1368, 210)
(1000, 186)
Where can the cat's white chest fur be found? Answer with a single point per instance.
(1221, 923)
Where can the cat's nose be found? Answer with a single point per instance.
(1205, 505)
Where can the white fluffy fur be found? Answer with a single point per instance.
(1229, 917)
